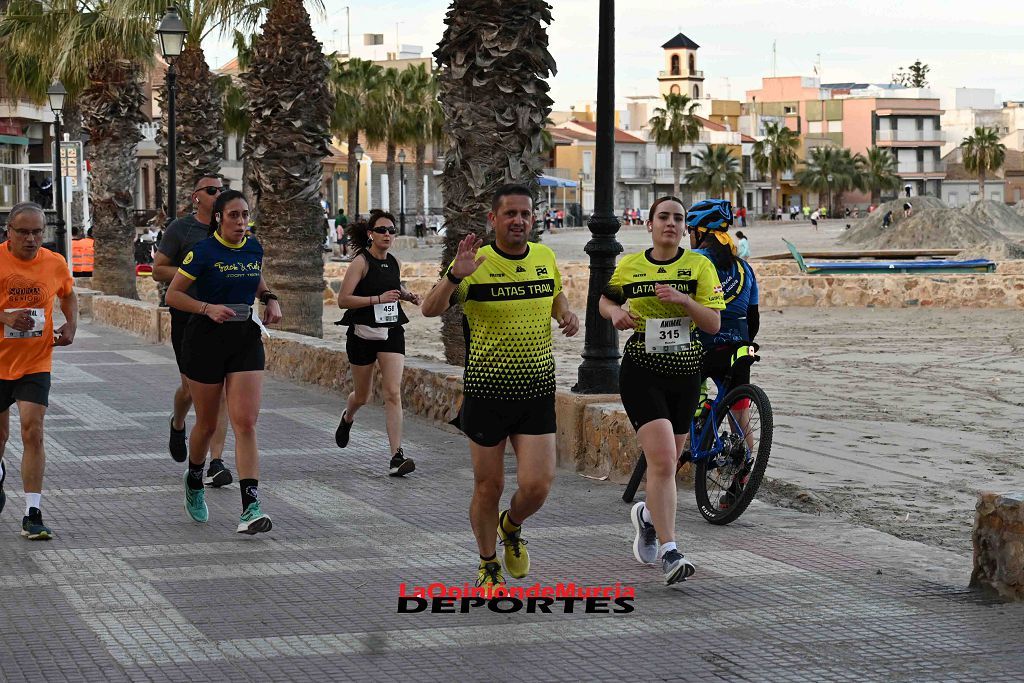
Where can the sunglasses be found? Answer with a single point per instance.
(211, 190)
(385, 231)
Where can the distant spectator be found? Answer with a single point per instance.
(560, 219)
(793, 212)
(908, 209)
(807, 212)
(814, 219)
(741, 213)
(887, 219)
(778, 213)
(421, 225)
(742, 246)
(846, 213)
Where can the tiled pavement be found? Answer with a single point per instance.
(132, 590)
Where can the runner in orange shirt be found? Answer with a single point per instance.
(30, 277)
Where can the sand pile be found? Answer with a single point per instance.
(1019, 208)
(936, 228)
(996, 215)
(868, 229)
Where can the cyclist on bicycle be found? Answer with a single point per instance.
(669, 292)
(708, 224)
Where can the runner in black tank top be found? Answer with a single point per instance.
(372, 293)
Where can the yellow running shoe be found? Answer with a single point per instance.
(517, 557)
(489, 574)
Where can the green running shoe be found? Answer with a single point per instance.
(195, 503)
(254, 520)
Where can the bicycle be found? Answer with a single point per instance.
(729, 456)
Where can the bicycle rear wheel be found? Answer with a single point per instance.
(726, 484)
(634, 481)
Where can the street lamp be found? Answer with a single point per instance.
(401, 191)
(359, 166)
(599, 371)
(828, 178)
(56, 94)
(171, 32)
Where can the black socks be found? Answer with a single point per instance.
(250, 492)
(195, 475)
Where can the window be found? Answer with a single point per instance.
(8, 176)
(696, 92)
(588, 163)
(675, 65)
(788, 109)
(675, 90)
(693, 64)
(627, 164)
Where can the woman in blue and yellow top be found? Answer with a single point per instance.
(223, 350)
(671, 292)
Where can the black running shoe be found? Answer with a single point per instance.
(217, 475)
(341, 433)
(400, 465)
(3, 496)
(177, 444)
(32, 526)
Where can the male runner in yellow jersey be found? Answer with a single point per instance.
(509, 291)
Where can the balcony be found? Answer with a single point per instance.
(897, 136)
(681, 74)
(919, 169)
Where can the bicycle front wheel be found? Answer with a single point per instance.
(726, 483)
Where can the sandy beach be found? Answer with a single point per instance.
(891, 418)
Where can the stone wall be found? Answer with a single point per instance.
(999, 544)
(782, 285)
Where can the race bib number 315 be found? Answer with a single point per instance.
(667, 335)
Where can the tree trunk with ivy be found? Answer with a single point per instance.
(286, 144)
(111, 113)
(493, 61)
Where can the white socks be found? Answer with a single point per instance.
(665, 547)
(32, 501)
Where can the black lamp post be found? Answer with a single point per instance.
(599, 371)
(359, 167)
(56, 94)
(401, 191)
(828, 179)
(172, 34)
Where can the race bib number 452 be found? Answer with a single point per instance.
(386, 313)
(667, 335)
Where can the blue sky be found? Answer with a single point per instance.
(862, 41)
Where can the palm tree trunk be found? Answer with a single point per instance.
(350, 199)
(111, 112)
(481, 75)
(776, 191)
(417, 182)
(876, 196)
(286, 144)
(981, 184)
(392, 170)
(676, 171)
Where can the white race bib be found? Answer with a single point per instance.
(38, 318)
(386, 313)
(667, 335)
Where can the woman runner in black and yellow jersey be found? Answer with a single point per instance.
(371, 294)
(670, 293)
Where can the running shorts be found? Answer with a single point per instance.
(179, 319)
(210, 351)
(648, 396)
(364, 351)
(489, 421)
(34, 388)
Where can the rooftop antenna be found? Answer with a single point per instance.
(775, 60)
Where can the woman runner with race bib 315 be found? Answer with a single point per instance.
(670, 293)
(371, 292)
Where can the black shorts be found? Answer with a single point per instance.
(210, 351)
(489, 421)
(364, 351)
(717, 362)
(647, 396)
(34, 388)
(179, 319)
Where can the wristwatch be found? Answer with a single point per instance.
(452, 278)
(267, 296)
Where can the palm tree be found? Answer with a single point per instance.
(676, 125)
(425, 118)
(776, 154)
(831, 171)
(493, 60)
(352, 82)
(717, 172)
(287, 141)
(879, 170)
(99, 55)
(983, 153)
(392, 109)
